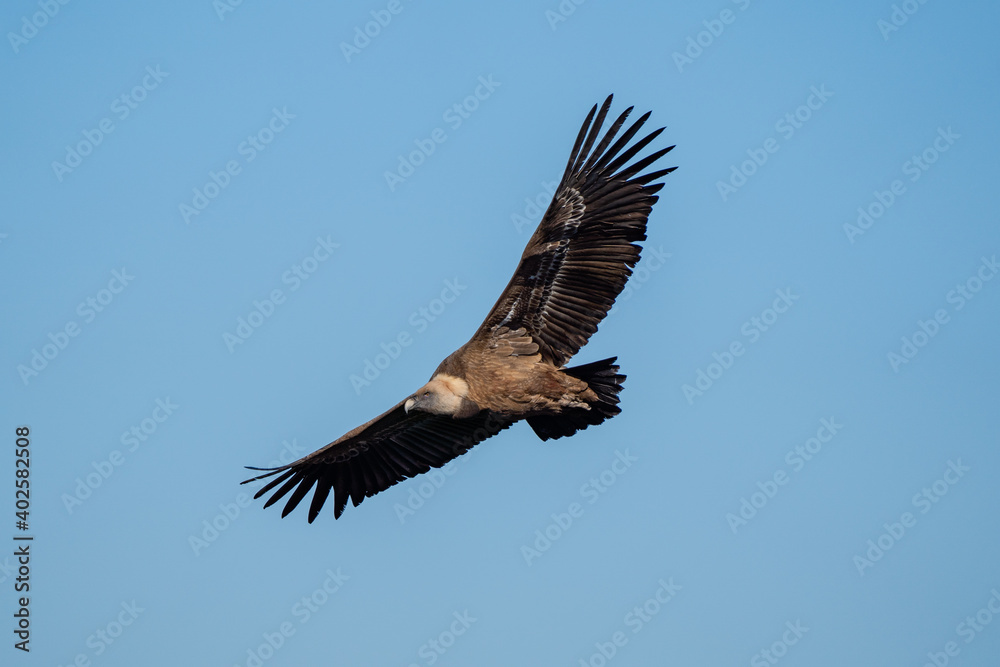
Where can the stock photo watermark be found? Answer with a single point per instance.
(926, 330)
(87, 310)
(30, 25)
(898, 17)
(752, 330)
(363, 35)
(534, 207)
(455, 116)
(434, 479)
(779, 648)
(223, 7)
(561, 12)
(218, 524)
(636, 619)
(419, 320)
(592, 490)
(434, 648)
(657, 258)
(229, 512)
(249, 150)
(967, 630)
(132, 439)
(913, 168)
(122, 107)
(263, 309)
(714, 27)
(796, 459)
(103, 638)
(303, 610)
(22, 552)
(924, 500)
(786, 127)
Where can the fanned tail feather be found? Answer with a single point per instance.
(605, 381)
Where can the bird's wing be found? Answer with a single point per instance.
(583, 251)
(388, 449)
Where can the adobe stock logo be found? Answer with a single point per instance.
(455, 115)
(303, 610)
(592, 490)
(657, 258)
(38, 20)
(636, 619)
(295, 276)
(563, 11)
(132, 439)
(968, 629)
(122, 106)
(104, 637)
(913, 168)
(899, 17)
(534, 207)
(223, 7)
(88, 310)
(924, 500)
(796, 460)
(779, 648)
(419, 319)
(714, 27)
(433, 649)
(381, 18)
(250, 148)
(753, 329)
(786, 126)
(435, 479)
(962, 294)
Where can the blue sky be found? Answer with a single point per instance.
(201, 247)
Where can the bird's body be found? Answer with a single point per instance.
(514, 367)
(507, 377)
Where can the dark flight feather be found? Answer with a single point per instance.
(388, 449)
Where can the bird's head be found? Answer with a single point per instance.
(425, 400)
(443, 395)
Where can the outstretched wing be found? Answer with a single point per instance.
(388, 449)
(581, 255)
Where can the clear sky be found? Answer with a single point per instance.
(218, 217)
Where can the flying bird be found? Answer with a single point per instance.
(514, 366)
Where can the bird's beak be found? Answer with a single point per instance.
(409, 404)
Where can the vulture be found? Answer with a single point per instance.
(514, 366)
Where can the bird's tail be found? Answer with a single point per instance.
(605, 381)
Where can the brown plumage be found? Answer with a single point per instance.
(574, 266)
